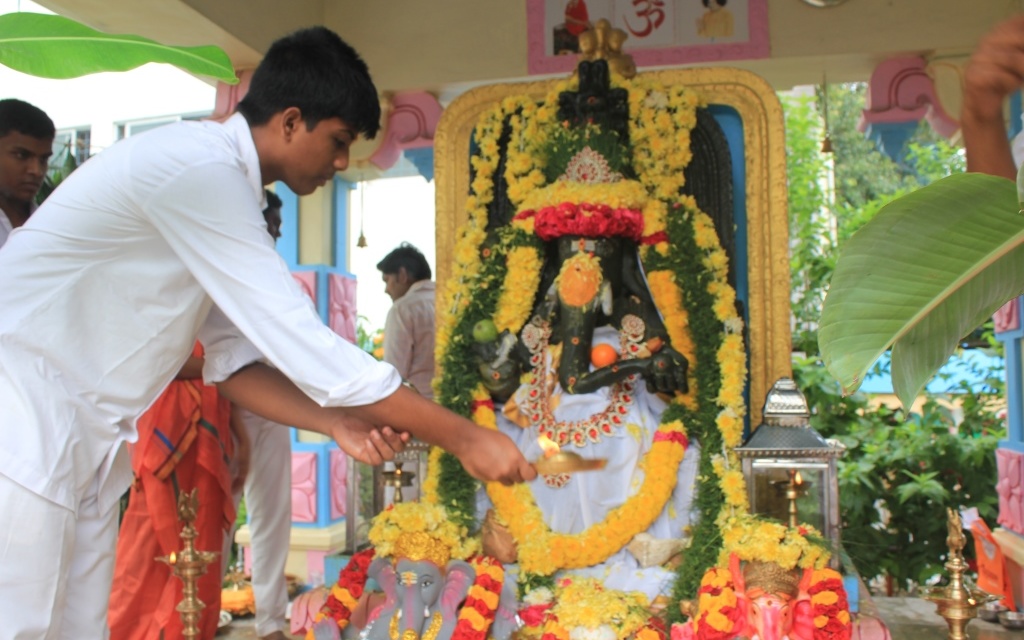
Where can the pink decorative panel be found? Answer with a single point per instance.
(341, 305)
(307, 282)
(901, 90)
(1007, 317)
(412, 118)
(339, 483)
(304, 487)
(1010, 489)
(660, 32)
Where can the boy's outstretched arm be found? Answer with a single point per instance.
(487, 455)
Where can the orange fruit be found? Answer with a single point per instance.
(603, 355)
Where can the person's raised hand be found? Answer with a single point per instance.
(491, 456)
(366, 442)
(995, 70)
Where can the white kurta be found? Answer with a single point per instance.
(159, 238)
(5, 227)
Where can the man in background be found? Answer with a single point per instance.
(26, 143)
(268, 498)
(409, 329)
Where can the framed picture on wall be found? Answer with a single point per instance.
(661, 32)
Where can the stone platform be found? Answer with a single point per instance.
(915, 619)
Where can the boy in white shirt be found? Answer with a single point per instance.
(156, 241)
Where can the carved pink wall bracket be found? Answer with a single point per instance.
(902, 91)
(229, 95)
(1009, 487)
(411, 122)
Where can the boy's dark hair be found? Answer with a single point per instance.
(315, 70)
(408, 257)
(720, 3)
(22, 117)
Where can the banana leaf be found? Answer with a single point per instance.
(51, 46)
(927, 270)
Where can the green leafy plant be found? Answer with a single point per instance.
(901, 471)
(51, 46)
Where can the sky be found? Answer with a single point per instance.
(396, 209)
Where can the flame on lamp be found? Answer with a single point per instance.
(797, 479)
(549, 446)
(173, 559)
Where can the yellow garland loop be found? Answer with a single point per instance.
(543, 551)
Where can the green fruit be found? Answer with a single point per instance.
(485, 331)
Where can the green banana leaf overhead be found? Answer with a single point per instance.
(51, 46)
(927, 270)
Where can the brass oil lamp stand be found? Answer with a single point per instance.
(958, 601)
(792, 489)
(189, 564)
(397, 479)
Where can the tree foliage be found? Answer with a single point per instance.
(901, 469)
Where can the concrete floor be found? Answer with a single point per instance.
(243, 629)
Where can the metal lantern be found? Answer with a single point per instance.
(790, 469)
(372, 488)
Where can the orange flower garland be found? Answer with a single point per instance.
(477, 613)
(543, 551)
(719, 614)
(830, 609)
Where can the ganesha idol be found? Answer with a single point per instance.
(430, 584)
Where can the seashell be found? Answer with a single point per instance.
(652, 552)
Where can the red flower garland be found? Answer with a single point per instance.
(345, 594)
(585, 219)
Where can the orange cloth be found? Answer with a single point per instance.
(992, 574)
(184, 443)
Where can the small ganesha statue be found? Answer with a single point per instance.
(433, 584)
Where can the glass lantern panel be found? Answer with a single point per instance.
(773, 482)
(363, 490)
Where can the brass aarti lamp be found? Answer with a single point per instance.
(189, 564)
(958, 601)
(397, 479)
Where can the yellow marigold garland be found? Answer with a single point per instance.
(516, 301)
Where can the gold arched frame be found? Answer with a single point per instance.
(767, 219)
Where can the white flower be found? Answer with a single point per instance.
(656, 100)
(540, 595)
(603, 632)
